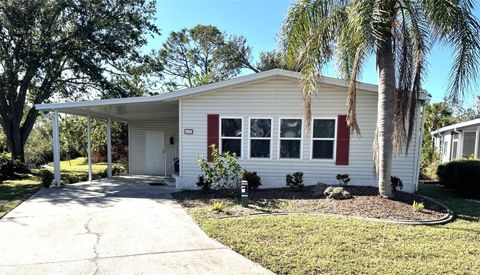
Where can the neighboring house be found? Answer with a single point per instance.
(259, 117)
(458, 141)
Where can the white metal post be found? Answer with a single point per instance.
(477, 143)
(89, 148)
(109, 148)
(56, 150)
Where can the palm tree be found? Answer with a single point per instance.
(400, 34)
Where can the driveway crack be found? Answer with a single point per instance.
(97, 240)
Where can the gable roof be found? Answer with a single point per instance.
(458, 125)
(236, 81)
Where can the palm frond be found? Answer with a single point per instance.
(454, 23)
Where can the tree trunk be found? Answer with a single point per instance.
(385, 112)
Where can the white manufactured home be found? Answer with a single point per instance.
(260, 118)
(461, 140)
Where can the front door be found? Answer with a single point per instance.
(154, 159)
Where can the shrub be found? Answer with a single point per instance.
(224, 172)
(295, 180)
(462, 176)
(418, 206)
(218, 206)
(397, 184)
(10, 168)
(71, 178)
(118, 170)
(254, 181)
(343, 179)
(46, 177)
(104, 173)
(204, 184)
(319, 189)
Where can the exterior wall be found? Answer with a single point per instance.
(136, 143)
(446, 150)
(277, 98)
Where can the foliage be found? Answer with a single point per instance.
(461, 176)
(269, 60)
(201, 55)
(10, 168)
(39, 146)
(254, 181)
(118, 170)
(397, 184)
(399, 34)
(319, 189)
(64, 49)
(343, 179)
(295, 180)
(204, 184)
(46, 177)
(437, 115)
(418, 206)
(218, 206)
(467, 113)
(224, 172)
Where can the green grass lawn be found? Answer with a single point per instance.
(302, 244)
(14, 192)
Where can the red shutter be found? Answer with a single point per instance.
(343, 140)
(212, 134)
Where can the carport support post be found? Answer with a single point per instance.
(109, 148)
(56, 150)
(89, 148)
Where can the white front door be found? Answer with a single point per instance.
(154, 159)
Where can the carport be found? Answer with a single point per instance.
(126, 110)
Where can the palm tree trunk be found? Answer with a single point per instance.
(385, 111)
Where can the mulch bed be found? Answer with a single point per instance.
(365, 203)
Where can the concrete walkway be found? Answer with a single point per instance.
(114, 226)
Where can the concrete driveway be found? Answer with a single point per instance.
(114, 226)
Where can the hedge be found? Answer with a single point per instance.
(463, 176)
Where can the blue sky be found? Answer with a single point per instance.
(260, 22)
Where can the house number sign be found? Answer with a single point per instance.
(188, 131)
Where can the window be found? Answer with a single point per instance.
(290, 138)
(260, 137)
(231, 135)
(323, 138)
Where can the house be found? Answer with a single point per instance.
(260, 118)
(458, 141)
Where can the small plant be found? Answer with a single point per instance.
(418, 206)
(224, 171)
(254, 181)
(47, 177)
(104, 173)
(343, 179)
(295, 180)
(218, 206)
(118, 170)
(397, 184)
(203, 183)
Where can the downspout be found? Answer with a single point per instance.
(420, 144)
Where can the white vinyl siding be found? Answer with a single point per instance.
(136, 143)
(281, 98)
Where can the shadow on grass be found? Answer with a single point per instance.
(464, 209)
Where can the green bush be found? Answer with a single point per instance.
(10, 168)
(203, 183)
(343, 179)
(295, 180)
(397, 184)
(118, 170)
(254, 181)
(224, 171)
(47, 177)
(463, 176)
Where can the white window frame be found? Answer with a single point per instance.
(280, 138)
(334, 139)
(249, 137)
(222, 137)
